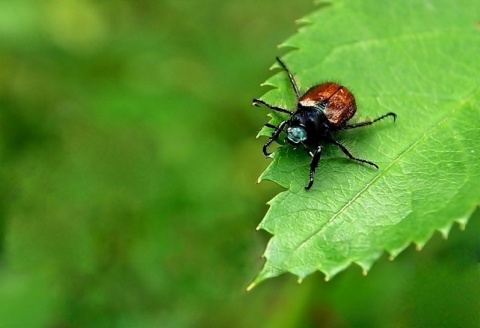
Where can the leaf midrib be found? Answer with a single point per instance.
(448, 115)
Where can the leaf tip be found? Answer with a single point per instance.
(462, 221)
(397, 250)
(461, 226)
(365, 265)
(445, 230)
(258, 279)
(251, 286)
(268, 271)
(394, 253)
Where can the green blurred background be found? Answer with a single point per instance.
(127, 178)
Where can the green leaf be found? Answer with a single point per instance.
(419, 59)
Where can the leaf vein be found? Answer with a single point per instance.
(367, 186)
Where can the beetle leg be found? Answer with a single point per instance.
(274, 136)
(256, 103)
(313, 165)
(307, 149)
(346, 152)
(360, 124)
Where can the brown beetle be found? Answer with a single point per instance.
(325, 108)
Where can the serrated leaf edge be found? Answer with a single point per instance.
(366, 265)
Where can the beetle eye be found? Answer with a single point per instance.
(296, 134)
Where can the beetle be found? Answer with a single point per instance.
(322, 110)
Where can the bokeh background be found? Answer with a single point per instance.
(128, 163)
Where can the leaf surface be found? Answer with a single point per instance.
(419, 59)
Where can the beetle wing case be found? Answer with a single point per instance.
(338, 103)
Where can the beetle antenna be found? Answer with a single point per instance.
(290, 76)
(256, 103)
